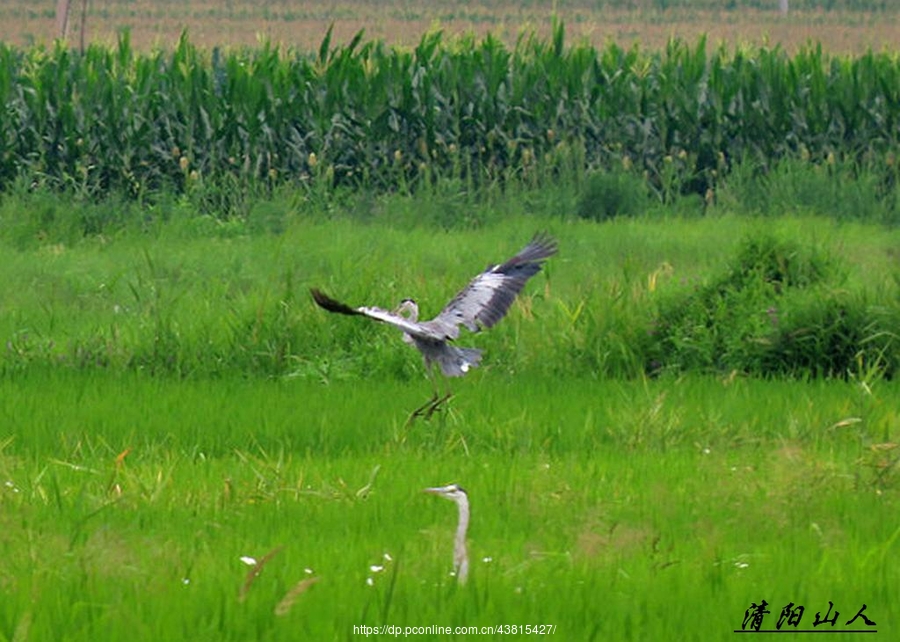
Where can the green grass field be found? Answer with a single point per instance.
(693, 409)
(614, 510)
(172, 401)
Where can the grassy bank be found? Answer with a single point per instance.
(191, 296)
(612, 510)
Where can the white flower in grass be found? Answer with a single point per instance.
(378, 568)
(249, 561)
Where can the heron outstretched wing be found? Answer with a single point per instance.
(489, 295)
(385, 316)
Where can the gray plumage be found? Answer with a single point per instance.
(481, 304)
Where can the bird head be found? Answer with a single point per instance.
(408, 309)
(453, 492)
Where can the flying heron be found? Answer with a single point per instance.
(460, 554)
(481, 304)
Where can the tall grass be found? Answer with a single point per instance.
(128, 520)
(196, 297)
(173, 402)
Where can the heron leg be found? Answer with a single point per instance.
(436, 404)
(431, 406)
(424, 409)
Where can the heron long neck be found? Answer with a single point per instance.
(460, 554)
(409, 310)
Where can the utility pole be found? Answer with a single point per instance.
(62, 18)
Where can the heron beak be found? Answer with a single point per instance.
(440, 491)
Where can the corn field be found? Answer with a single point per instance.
(364, 114)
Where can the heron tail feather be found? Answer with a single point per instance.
(455, 362)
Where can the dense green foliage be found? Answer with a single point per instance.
(476, 112)
(192, 296)
(778, 308)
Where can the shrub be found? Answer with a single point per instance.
(607, 195)
(776, 310)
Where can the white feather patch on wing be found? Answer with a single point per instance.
(410, 327)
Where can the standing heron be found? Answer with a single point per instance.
(460, 554)
(481, 304)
